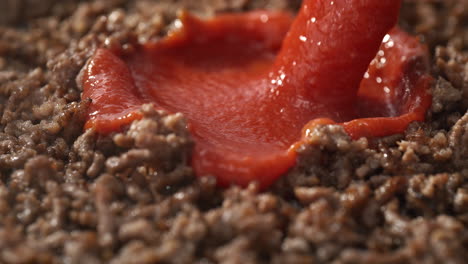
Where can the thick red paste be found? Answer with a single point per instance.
(250, 83)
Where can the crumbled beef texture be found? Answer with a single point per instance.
(72, 196)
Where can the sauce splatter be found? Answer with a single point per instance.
(250, 84)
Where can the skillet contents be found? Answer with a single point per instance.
(248, 84)
(69, 195)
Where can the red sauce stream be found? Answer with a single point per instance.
(250, 83)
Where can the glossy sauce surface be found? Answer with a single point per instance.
(250, 83)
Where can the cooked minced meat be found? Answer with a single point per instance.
(72, 196)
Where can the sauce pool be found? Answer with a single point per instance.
(249, 83)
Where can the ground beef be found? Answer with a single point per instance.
(72, 196)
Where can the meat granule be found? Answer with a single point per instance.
(72, 196)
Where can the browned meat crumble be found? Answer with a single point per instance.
(69, 196)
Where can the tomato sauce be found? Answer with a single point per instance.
(251, 85)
